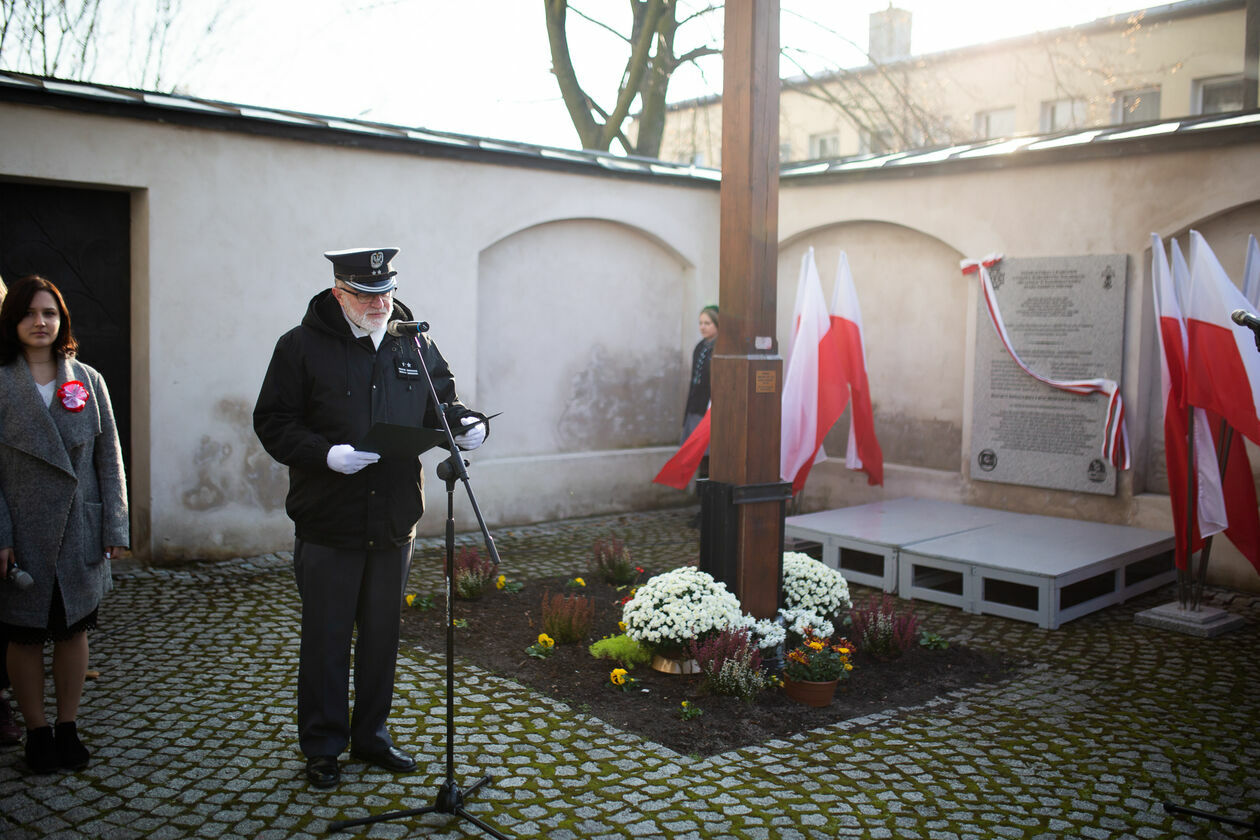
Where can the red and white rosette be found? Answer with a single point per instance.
(1115, 447)
(73, 395)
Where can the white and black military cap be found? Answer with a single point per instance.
(364, 269)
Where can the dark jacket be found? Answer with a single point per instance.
(325, 387)
(698, 389)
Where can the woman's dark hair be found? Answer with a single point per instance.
(712, 310)
(17, 303)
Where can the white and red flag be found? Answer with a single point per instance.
(1169, 287)
(1224, 366)
(1223, 378)
(846, 324)
(1251, 273)
(1115, 446)
(679, 469)
(814, 390)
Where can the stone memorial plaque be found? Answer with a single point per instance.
(1065, 319)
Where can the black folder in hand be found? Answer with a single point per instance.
(392, 440)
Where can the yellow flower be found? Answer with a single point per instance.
(618, 676)
(815, 645)
(545, 641)
(848, 667)
(621, 625)
(684, 704)
(579, 582)
(411, 599)
(500, 582)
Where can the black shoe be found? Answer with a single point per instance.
(71, 754)
(41, 750)
(322, 771)
(392, 759)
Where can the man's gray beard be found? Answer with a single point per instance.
(365, 321)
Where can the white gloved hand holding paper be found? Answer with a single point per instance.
(474, 436)
(347, 460)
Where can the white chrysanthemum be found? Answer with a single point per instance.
(765, 633)
(814, 586)
(799, 622)
(675, 607)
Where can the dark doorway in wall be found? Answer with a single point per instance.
(80, 239)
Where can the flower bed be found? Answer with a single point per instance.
(497, 629)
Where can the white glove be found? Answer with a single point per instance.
(474, 437)
(345, 459)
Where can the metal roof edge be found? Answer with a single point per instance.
(1085, 143)
(196, 112)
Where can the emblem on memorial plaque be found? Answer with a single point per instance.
(1108, 275)
(996, 276)
(1097, 471)
(987, 460)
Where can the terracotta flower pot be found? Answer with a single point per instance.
(816, 694)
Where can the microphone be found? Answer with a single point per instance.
(1243, 318)
(402, 329)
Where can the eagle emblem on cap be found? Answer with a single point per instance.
(378, 260)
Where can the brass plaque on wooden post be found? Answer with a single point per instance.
(747, 372)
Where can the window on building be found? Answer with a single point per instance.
(785, 152)
(1218, 95)
(876, 142)
(1135, 106)
(1060, 114)
(998, 122)
(824, 145)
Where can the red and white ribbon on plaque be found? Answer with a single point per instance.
(1115, 447)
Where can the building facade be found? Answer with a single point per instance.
(1179, 59)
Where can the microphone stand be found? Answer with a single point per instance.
(450, 799)
(1254, 825)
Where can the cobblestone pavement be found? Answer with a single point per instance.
(192, 730)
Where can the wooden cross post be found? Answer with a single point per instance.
(747, 372)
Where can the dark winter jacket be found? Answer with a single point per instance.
(698, 388)
(325, 387)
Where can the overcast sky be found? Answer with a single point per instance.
(482, 66)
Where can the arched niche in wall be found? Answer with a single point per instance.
(1226, 233)
(914, 312)
(578, 326)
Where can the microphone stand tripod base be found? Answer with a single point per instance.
(450, 800)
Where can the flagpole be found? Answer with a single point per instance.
(1185, 576)
(1222, 463)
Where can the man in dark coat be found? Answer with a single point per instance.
(355, 513)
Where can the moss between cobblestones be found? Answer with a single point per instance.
(196, 699)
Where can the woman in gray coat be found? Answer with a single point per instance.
(63, 511)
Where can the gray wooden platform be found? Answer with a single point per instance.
(1041, 569)
(863, 541)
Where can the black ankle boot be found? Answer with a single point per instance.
(71, 754)
(41, 751)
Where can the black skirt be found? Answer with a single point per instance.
(56, 631)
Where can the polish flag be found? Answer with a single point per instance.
(1169, 286)
(679, 469)
(1223, 377)
(846, 324)
(814, 390)
(1224, 364)
(1251, 273)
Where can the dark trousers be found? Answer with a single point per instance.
(342, 589)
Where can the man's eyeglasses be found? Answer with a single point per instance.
(367, 297)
